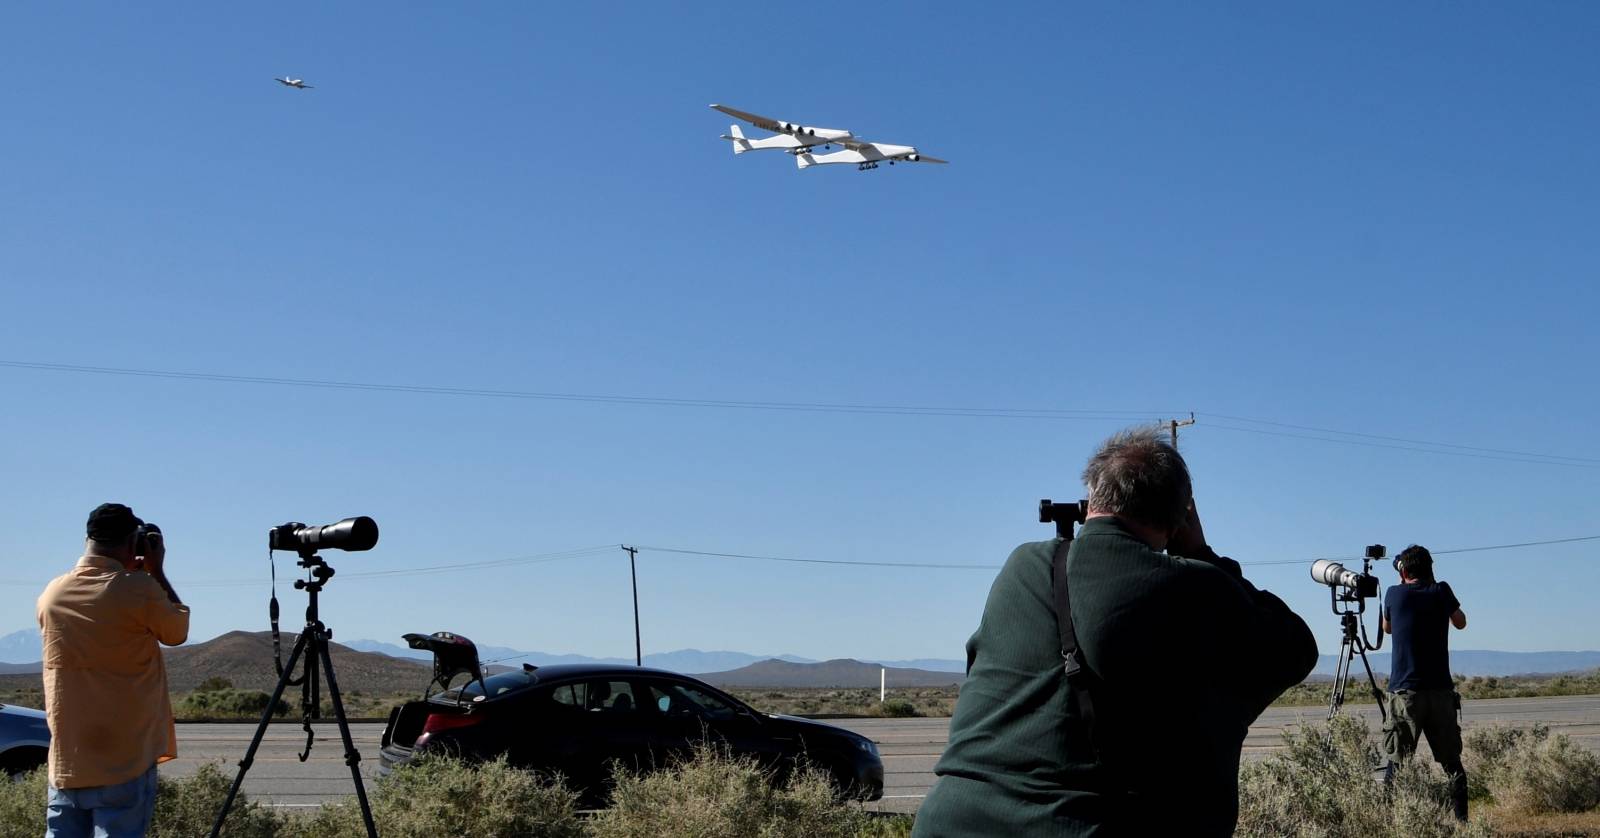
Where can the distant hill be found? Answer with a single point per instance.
(245, 658)
(682, 660)
(1481, 662)
(834, 673)
(20, 668)
(20, 646)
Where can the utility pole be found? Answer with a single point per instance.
(1180, 423)
(633, 572)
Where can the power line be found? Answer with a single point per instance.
(1515, 546)
(1293, 431)
(586, 552)
(805, 407)
(1552, 459)
(1400, 439)
(932, 565)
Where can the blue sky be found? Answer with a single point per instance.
(1360, 218)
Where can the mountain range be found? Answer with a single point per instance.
(689, 661)
(19, 653)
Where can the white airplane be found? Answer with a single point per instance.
(799, 140)
(298, 84)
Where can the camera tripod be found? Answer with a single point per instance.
(1349, 601)
(313, 644)
(1352, 644)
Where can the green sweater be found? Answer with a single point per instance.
(1188, 654)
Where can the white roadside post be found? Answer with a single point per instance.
(883, 684)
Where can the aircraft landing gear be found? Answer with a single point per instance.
(862, 167)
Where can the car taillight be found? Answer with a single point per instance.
(448, 721)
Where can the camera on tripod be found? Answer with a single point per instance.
(311, 648)
(1349, 592)
(1349, 585)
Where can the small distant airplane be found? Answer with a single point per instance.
(799, 140)
(298, 84)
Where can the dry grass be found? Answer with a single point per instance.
(714, 795)
(445, 796)
(1323, 785)
(1523, 782)
(1523, 825)
(1529, 771)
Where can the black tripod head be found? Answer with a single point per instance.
(320, 571)
(1063, 515)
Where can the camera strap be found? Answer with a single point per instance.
(1078, 676)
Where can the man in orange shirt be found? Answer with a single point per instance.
(105, 683)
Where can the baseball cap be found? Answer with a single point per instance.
(112, 522)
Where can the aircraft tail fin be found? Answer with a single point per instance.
(736, 136)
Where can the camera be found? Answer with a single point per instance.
(143, 536)
(1063, 515)
(1333, 574)
(352, 534)
(1355, 585)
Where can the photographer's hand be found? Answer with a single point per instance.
(1189, 540)
(155, 560)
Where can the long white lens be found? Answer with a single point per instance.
(1332, 573)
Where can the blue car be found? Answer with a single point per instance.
(24, 739)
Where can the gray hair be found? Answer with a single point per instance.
(1136, 474)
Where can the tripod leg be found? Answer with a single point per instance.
(1377, 694)
(352, 757)
(261, 730)
(1341, 674)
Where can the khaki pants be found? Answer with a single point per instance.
(1414, 714)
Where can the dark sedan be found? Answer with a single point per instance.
(578, 719)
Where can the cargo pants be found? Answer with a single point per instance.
(1414, 714)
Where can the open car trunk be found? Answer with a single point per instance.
(453, 655)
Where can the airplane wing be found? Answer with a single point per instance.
(762, 122)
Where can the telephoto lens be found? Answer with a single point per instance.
(1332, 573)
(352, 534)
(1335, 575)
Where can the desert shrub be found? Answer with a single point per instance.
(893, 826)
(227, 703)
(187, 807)
(437, 795)
(714, 795)
(184, 808)
(1324, 783)
(1528, 770)
(22, 805)
(213, 684)
(897, 708)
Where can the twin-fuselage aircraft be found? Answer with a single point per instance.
(801, 140)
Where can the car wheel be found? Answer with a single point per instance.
(19, 761)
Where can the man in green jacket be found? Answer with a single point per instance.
(1181, 653)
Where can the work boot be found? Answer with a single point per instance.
(1458, 794)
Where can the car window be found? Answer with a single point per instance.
(492, 686)
(609, 697)
(570, 696)
(682, 700)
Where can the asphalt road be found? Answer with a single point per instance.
(910, 747)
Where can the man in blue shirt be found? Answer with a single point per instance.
(1422, 697)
